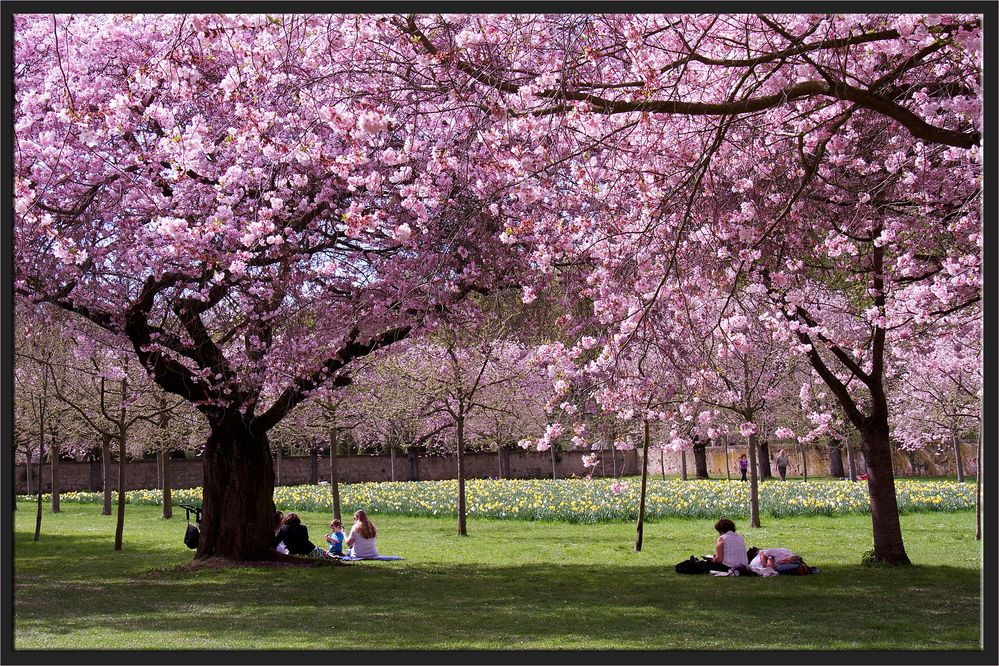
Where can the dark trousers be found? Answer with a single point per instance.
(743, 474)
(783, 472)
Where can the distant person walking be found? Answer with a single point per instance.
(743, 466)
(782, 464)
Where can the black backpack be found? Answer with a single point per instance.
(191, 537)
(693, 566)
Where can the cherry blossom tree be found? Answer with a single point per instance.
(251, 206)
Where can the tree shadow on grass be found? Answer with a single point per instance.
(151, 603)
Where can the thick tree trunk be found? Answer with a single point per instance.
(314, 466)
(888, 545)
(754, 487)
(119, 529)
(958, 461)
(460, 445)
(54, 456)
(106, 461)
(167, 498)
(237, 520)
(683, 464)
(645, 476)
(836, 469)
(764, 458)
(700, 460)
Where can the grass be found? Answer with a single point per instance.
(509, 585)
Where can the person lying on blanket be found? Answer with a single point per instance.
(362, 538)
(780, 560)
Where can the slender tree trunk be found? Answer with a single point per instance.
(683, 464)
(392, 462)
(350, 466)
(167, 499)
(334, 475)
(888, 545)
(106, 464)
(613, 452)
(957, 457)
(764, 458)
(804, 463)
(662, 462)
(95, 473)
(237, 521)
(119, 529)
(159, 470)
(41, 457)
(314, 466)
(836, 469)
(754, 488)
(978, 487)
(645, 476)
(54, 455)
(603, 466)
(552, 449)
(728, 465)
(460, 444)
(278, 455)
(27, 471)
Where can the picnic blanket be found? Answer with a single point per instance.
(384, 558)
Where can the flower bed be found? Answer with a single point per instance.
(594, 500)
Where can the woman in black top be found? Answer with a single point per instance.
(296, 537)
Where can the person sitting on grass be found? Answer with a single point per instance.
(278, 521)
(335, 538)
(361, 540)
(730, 549)
(295, 537)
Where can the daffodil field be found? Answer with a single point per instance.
(589, 501)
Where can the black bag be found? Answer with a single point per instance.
(693, 566)
(191, 536)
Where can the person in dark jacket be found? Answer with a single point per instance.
(295, 536)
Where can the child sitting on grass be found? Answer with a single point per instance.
(335, 539)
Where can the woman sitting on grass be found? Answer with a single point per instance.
(361, 540)
(295, 536)
(730, 549)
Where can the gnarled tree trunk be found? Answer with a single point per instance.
(237, 520)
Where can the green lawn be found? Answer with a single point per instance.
(511, 584)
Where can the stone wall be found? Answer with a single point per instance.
(920, 463)
(296, 470)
